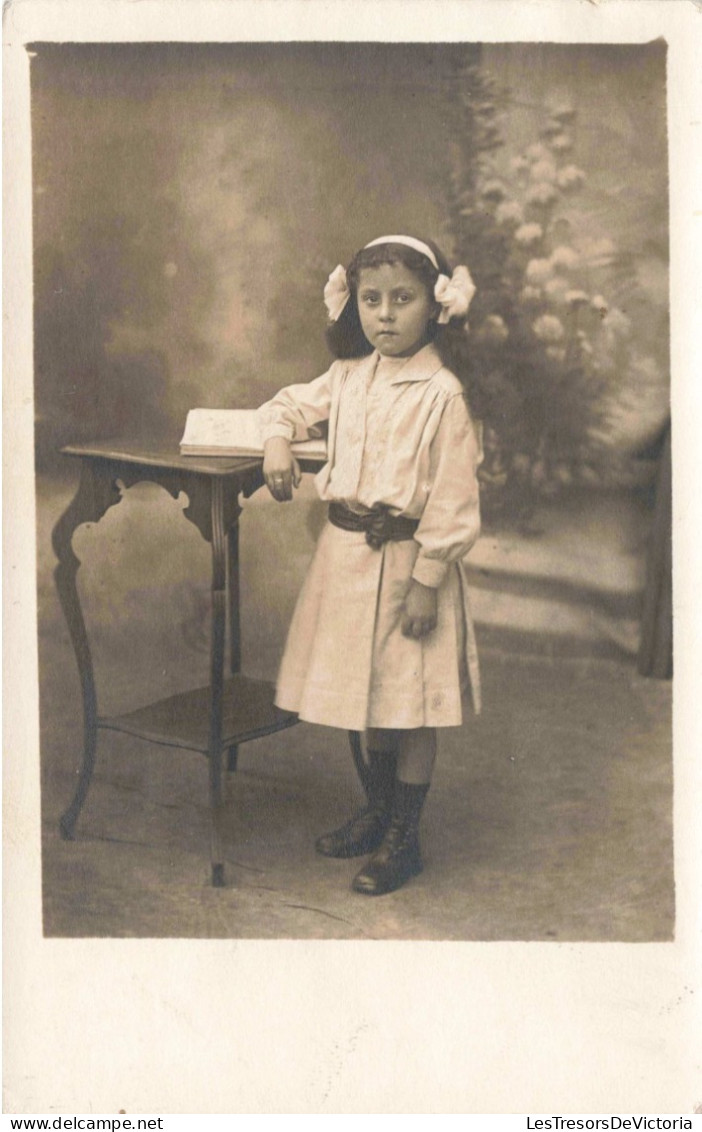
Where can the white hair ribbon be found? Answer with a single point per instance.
(336, 292)
(454, 295)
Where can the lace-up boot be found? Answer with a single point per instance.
(364, 832)
(398, 858)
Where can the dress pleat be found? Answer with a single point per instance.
(347, 663)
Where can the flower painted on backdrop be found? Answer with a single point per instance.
(577, 298)
(561, 143)
(539, 271)
(494, 190)
(493, 330)
(557, 289)
(617, 323)
(543, 171)
(549, 328)
(528, 234)
(570, 177)
(509, 212)
(541, 193)
(564, 258)
(647, 372)
(584, 343)
(563, 112)
(521, 463)
(601, 305)
(556, 354)
(491, 442)
(538, 152)
(563, 474)
(586, 473)
(597, 252)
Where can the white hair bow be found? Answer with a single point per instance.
(336, 292)
(454, 295)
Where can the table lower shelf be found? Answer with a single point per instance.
(183, 720)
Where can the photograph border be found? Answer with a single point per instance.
(302, 1026)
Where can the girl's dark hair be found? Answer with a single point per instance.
(346, 339)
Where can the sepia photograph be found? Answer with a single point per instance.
(497, 669)
(350, 432)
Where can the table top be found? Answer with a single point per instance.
(161, 454)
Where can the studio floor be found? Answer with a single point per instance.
(550, 815)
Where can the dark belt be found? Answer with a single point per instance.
(379, 525)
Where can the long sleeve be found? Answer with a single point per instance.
(296, 408)
(450, 522)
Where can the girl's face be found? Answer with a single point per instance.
(395, 309)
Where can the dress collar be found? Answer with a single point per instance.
(420, 367)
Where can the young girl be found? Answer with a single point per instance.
(381, 639)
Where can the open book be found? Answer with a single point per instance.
(235, 432)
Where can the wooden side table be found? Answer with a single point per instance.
(209, 720)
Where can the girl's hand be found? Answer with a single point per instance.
(281, 470)
(420, 613)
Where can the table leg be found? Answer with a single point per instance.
(234, 621)
(219, 599)
(94, 496)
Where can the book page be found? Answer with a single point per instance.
(233, 432)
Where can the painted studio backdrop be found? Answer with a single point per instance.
(189, 204)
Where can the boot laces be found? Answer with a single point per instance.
(400, 836)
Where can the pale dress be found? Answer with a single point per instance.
(400, 435)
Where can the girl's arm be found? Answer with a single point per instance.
(286, 417)
(450, 522)
(297, 408)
